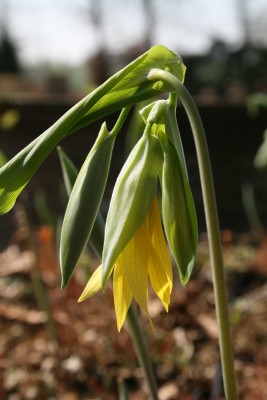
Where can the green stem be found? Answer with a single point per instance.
(213, 229)
(122, 389)
(41, 296)
(141, 349)
(120, 121)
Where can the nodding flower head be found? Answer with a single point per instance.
(144, 258)
(135, 249)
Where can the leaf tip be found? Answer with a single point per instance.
(63, 284)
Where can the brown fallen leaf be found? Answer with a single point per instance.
(169, 391)
(22, 314)
(209, 325)
(16, 263)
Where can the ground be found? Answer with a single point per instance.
(52, 347)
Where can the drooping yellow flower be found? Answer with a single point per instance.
(144, 258)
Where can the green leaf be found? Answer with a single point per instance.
(178, 211)
(15, 174)
(131, 199)
(172, 129)
(84, 203)
(70, 173)
(128, 86)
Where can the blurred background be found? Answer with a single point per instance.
(66, 45)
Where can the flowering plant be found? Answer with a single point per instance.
(134, 247)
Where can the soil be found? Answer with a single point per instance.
(52, 347)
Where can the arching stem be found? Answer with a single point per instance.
(213, 229)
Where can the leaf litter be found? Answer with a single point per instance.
(63, 350)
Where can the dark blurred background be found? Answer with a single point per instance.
(54, 52)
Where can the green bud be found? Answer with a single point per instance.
(70, 174)
(178, 211)
(132, 197)
(84, 203)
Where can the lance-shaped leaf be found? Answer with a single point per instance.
(84, 203)
(15, 174)
(69, 170)
(173, 132)
(70, 174)
(162, 114)
(127, 87)
(178, 211)
(132, 198)
(130, 85)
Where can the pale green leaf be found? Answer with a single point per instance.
(131, 199)
(84, 203)
(178, 212)
(128, 86)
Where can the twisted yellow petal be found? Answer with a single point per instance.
(160, 268)
(135, 264)
(145, 255)
(122, 294)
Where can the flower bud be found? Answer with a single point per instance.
(84, 203)
(70, 174)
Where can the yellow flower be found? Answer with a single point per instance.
(144, 258)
